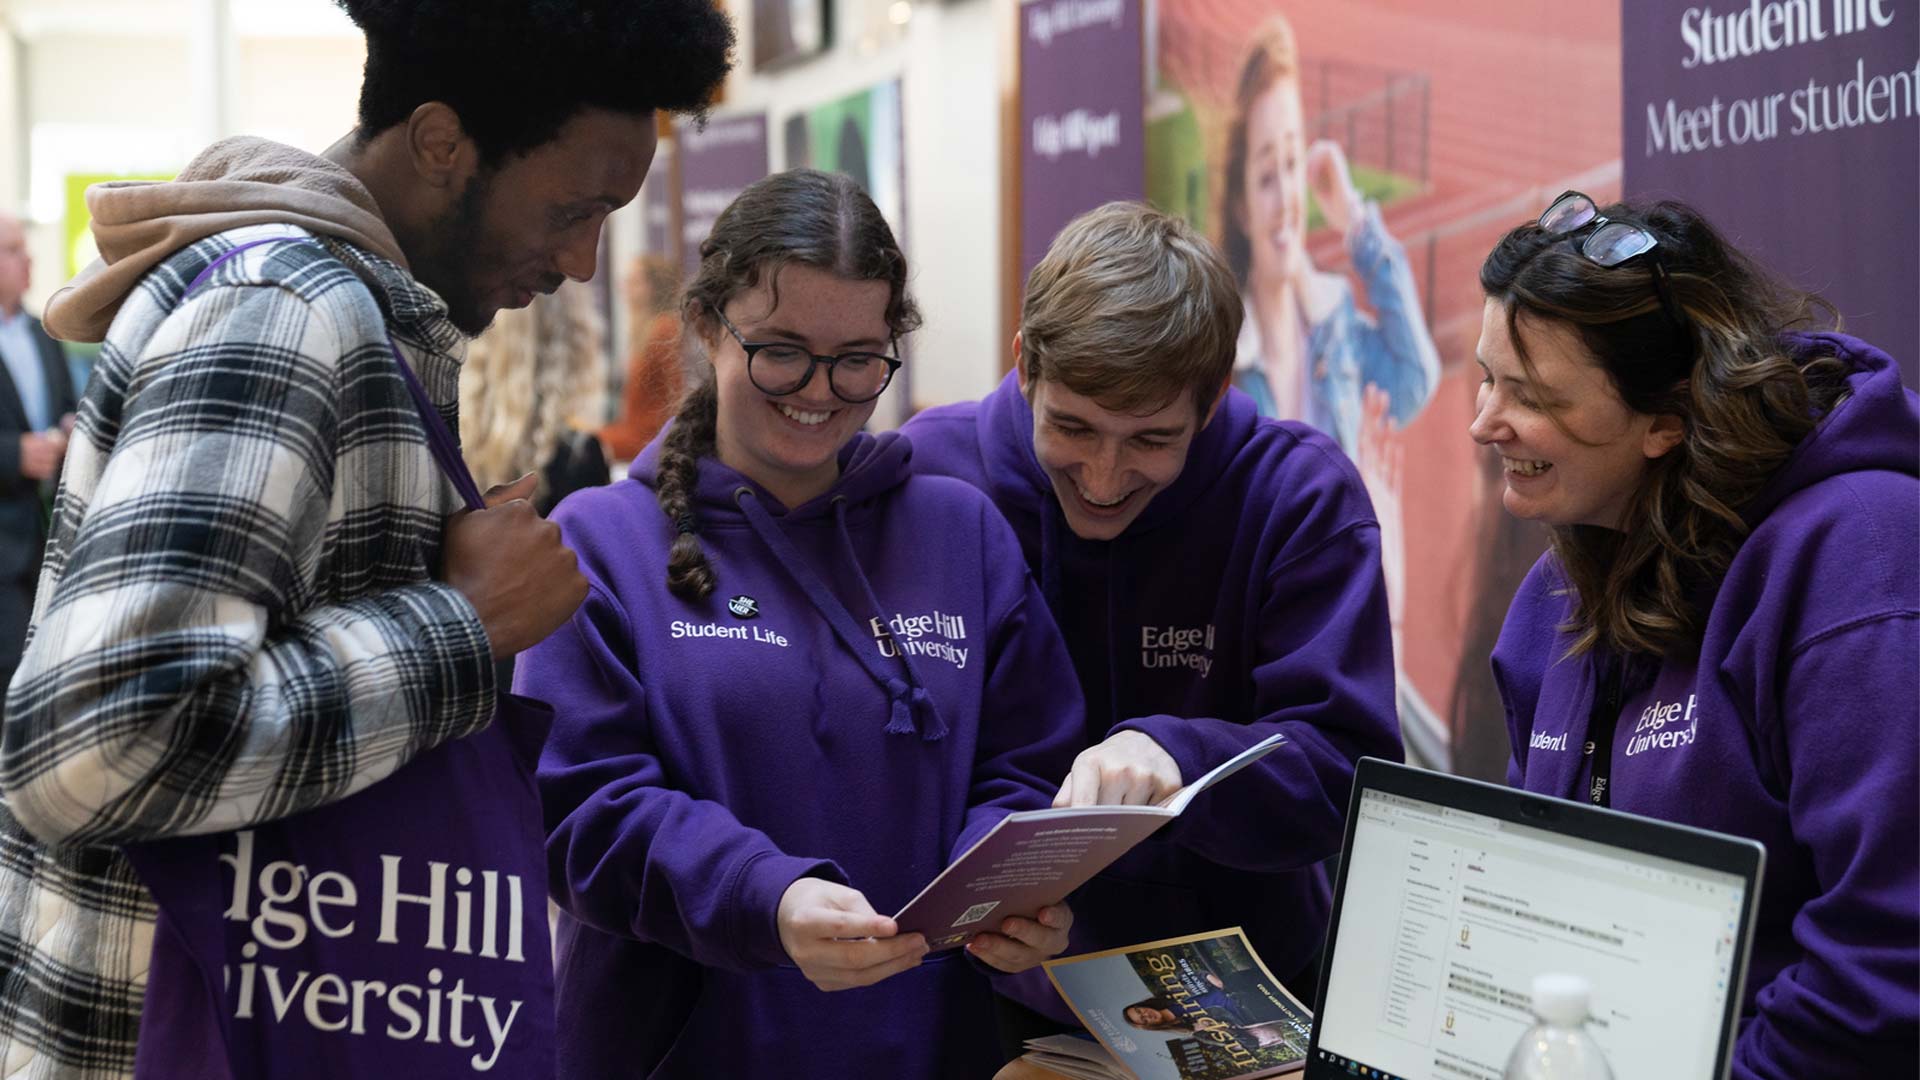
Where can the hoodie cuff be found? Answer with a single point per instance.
(755, 901)
(1183, 740)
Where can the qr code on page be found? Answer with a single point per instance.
(975, 913)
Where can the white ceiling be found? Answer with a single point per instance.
(173, 18)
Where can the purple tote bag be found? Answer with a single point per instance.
(400, 932)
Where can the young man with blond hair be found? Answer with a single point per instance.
(1217, 576)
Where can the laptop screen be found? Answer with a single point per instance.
(1447, 914)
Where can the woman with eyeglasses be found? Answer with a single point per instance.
(803, 681)
(1725, 631)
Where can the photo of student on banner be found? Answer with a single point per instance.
(1306, 350)
(1446, 125)
(1344, 348)
(1728, 619)
(804, 680)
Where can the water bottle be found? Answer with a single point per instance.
(1558, 1045)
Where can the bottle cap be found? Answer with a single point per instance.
(1561, 999)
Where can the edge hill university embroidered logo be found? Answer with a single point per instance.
(1177, 646)
(744, 607)
(935, 634)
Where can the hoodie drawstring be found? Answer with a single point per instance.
(911, 709)
(1050, 522)
(916, 705)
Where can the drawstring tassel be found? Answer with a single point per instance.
(912, 711)
(900, 720)
(932, 728)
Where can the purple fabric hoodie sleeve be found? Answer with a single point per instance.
(1031, 713)
(1323, 674)
(1860, 935)
(627, 853)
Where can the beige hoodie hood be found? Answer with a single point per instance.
(235, 182)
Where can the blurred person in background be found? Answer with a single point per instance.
(36, 412)
(656, 371)
(533, 382)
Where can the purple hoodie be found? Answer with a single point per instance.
(1795, 725)
(1245, 599)
(873, 685)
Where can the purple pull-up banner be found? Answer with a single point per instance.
(1082, 107)
(720, 161)
(1795, 126)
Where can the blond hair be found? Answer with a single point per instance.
(1131, 307)
(536, 372)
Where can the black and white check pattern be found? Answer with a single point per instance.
(237, 619)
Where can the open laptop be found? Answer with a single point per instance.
(1454, 894)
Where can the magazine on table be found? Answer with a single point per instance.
(1034, 858)
(1201, 1007)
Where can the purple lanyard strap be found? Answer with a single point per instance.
(439, 439)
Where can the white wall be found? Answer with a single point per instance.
(952, 97)
(302, 90)
(12, 163)
(84, 112)
(946, 57)
(100, 101)
(108, 80)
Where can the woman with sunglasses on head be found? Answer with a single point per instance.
(803, 681)
(1725, 631)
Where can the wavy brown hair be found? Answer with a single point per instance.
(1743, 400)
(1273, 59)
(804, 217)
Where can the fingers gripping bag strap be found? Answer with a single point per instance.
(400, 931)
(526, 721)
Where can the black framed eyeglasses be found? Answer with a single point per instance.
(1610, 243)
(779, 368)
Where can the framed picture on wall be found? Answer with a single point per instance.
(787, 31)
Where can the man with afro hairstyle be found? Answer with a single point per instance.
(260, 599)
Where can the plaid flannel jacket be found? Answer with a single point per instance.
(237, 618)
